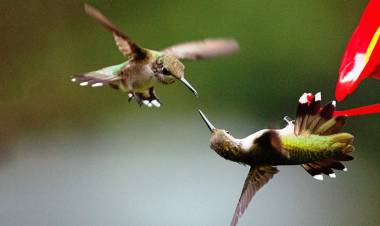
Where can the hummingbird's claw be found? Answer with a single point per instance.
(288, 120)
(130, 97)
(143, 100)
(156, 103)
(147, 103)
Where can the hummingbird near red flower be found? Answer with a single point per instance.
(313, 141)
(145, 68)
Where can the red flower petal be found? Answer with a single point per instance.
(370, 109)
(362, 57)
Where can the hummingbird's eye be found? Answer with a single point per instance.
(228, 132)
(165, 71)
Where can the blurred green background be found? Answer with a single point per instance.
(73, 155)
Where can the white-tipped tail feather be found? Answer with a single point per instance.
(316, 120)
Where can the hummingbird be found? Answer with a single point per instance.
(313, 140)
(144, 68)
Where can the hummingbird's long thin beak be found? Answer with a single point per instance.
(189, 86)
(208, 123)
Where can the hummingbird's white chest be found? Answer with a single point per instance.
(247, 142)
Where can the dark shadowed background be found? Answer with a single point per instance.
(74, 155)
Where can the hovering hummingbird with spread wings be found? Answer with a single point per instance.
(144, 67)
(313, 141)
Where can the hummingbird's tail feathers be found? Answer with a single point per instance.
(332, 126)
(342, 142)
(343, 138)
(312, 119)
(308, 107)
(257, 177)
(94, 79)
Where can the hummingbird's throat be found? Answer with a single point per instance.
(157, 70)
(165, 79)
(226, 148)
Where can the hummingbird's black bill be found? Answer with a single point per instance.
(208, 123)
(189, 86)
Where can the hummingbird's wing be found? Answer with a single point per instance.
(126, 46)
(207, 48)
(94, 79)
(101, 77)
(269, 143)
(257, 177)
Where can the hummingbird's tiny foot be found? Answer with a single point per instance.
(288, 120)
(130, 97)
(318, 177)
(332, 175)
(83, 83)
(98, 84)
(156, 103)
(138, 99)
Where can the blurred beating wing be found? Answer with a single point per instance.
(269, 144)
(203, 49)
(126, 46)
(257, 177)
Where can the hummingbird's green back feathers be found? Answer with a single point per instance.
(304, 148)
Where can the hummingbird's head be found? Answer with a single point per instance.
(170, 68)
(220, 139)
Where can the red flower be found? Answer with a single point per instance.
(362, 57)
